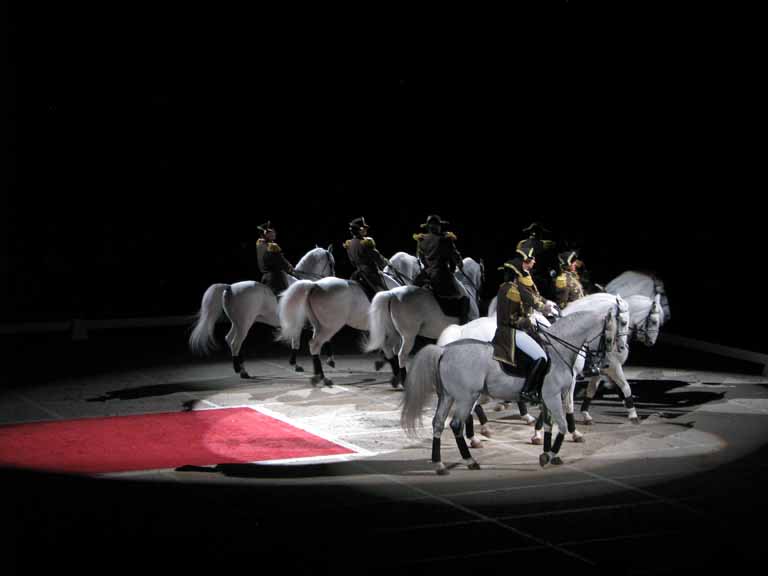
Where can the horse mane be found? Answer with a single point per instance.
(639, 308)
(311, 255)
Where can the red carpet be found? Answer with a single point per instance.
(151, 441)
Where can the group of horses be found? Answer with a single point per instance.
(460, 367)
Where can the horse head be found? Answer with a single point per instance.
(318, 262)
(653, 322)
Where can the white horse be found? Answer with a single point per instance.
(646, 318)
(463, 370)
(397, 316)
(248, 302)
(485, 328)
(329, 305)
(404, 267)
(633, 282)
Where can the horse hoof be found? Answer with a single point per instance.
(635, 420)
(528, 419)
(587, 422)
(327, 381)
(579, 439)
(543, 459)
(485, 432)
(331, 363)
(499, 407)
(378, 365)
(441, 470)
(316, 380)
(299, 368)
(244, 375)
(556, 461)
(475, 443)
(474, 466)
(395, 382)
(536, 441)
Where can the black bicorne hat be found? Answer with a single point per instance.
(358, 223)
(536, 227)
(515, 265)
(526, 249)
(266, 227)
(566, 258)
(434, 219)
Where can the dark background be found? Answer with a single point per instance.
(150, 146)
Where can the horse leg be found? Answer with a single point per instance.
(616, 373)
(550, 454)
(235, 338)
(457, 425)
(594, 384)
(484, 429)
(295, 343)
(538, 439)
(319, 337)
(444, 404)
(569, 419)
(524, 416)
(470, 432)
(328, 351)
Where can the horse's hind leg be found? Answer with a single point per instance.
(569, 418)
(589, 395)
(616, 373)
(295, 344)
(328, 351)
(235, 338)
(457, 425)
(320, 336)
(444, 404)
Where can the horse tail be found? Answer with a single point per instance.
(379, 321)
(292, 310)
(201, 340)
(423, 378)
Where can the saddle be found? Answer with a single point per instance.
(523, 365)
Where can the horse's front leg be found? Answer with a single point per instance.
(553, 409)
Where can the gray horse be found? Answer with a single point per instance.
(463, 370)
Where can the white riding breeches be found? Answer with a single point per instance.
(528, 345)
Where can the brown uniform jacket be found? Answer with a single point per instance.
(567, 288)
(440, 257)
(516, 302)
(272, 264)
(367, 260)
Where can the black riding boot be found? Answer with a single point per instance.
(589, 367)
(463, 310)
(531, 391)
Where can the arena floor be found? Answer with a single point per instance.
(669, 494)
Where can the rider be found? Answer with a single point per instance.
(567, 284)
(366, 259)
(541, 250)
(439, 257)
(270, 258)
(518, 297)
(568, 288)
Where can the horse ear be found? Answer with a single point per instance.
(330, 248)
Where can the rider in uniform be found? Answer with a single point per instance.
(271, 261)
(567, 284)
(436, 250)
(518, 297)
(366, 259)
(542, 251)
(567, 289)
